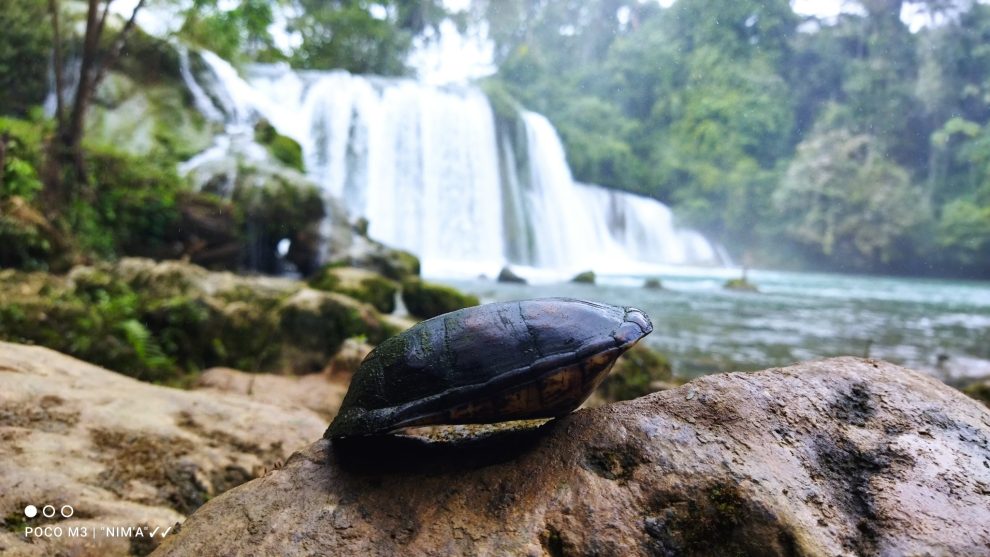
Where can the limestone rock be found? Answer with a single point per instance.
(360, 284)
(426, 299)
(837, 457)
(319, 392)
(122, 452)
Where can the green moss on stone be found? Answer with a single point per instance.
(636, 374)
(426, 300)
(587, 277)
(979, 390)
(740, 285)
(359, 284)
(285, 149)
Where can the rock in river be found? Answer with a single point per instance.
(836, 457)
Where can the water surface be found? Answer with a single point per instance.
(941, 327)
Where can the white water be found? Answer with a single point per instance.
(422, 164)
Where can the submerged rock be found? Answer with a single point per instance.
(360, 284)
(740, 284)
(837, 457)
(123, 453)
(586, 277)
(508, 275)
(653, 284)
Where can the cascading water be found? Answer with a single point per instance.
(427, 169)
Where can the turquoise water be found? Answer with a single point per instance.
(941, 327)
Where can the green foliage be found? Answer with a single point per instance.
(283, 148)
(964, 232)
(636, 374)
(148, 59)
(426, 300)
(704, 104)
(22, 158)
(362, 37)
(25, 51)
(847, 203)
(235, 33)
(131, 209)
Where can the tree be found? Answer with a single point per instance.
(847, 204)
(95, 59)
(24, 56)
(362, 36)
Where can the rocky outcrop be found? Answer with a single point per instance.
(838, 457)
(161, 321)
(360, 284)
(123, 453)
(426, 299)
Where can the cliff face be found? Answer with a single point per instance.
(837, 457)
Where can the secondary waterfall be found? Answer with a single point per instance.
(428, 169)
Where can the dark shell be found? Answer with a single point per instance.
(496, 362)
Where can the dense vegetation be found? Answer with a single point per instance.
(853, 144)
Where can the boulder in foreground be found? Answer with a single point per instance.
(837, 457)
(122, 453)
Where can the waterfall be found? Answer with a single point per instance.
(428, 170)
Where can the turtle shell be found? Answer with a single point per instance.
(496, 362)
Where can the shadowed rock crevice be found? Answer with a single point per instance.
(719, 516)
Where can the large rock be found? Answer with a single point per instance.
(320, 392)
(123, 453)
(838, 457)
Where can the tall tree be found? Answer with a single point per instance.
(66, 161)
(363, 36)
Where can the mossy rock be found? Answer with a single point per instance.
(160, 279)
(587, 277)
(740, 285)
(312, 326)
(163, 322)
(395, 264)
(278, 203)
(980, 390)
(637, 373)
(283, 148)
(653, 284)
(359, 284)
(426, 300)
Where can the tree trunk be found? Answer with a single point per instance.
(66, 150)
(4, 139)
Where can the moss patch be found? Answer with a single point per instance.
(426, 300)
(635, 374)
(285, 149)
(359, 284)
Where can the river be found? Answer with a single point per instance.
(937, 326)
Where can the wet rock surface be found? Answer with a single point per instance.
(122, 453)
(837, 457)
